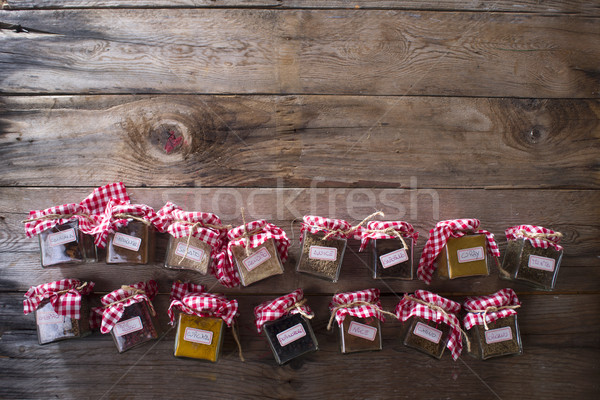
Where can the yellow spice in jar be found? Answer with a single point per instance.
(464, 256)
(199, 337)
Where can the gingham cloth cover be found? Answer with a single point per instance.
(106, 317)
(408, 308)
(514, 233)
(315, 224)
(67, 304)
(225, 271)
(405, 229)
(93, 205)
(108, 224)
(504, 297)
(438, 237)
(170, 213)
(193, 299)
(275, 309)
(361, 311)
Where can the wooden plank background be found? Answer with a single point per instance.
(425, 110)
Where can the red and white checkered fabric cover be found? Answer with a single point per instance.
(107, 316)
(438, 237)
(171, 213)
(108, 224)
(67, 304)
(93, 205)
(360, 311)
(275, 309)
(315, 224)
(408, 308)
(514, 233)
(225, 271)
(404, 228)
(193, 299)
(504, 297)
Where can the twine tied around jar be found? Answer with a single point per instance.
(237, 340)
(58, 216)
(246, 235)
(129, 216)
(354, 304)
(353, 228)
(78, 288)
(135, 292)
(194, 226)
(298, 305)
(442, 311)
(492, 309)
(542, 236)
(389, 231)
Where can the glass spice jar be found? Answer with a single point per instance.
(290, 336)
(360, 334)
(427, 336)
(66, 244)
(193, 255)
(199, 337)
(391, 260)
(258, 263)
(136, 326)
(132, 243)
(321, 257)
(502, 338)
(463, 256)
(52, 327)
(536, 266)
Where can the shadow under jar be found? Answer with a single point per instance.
(132, 243)
(321, 257)
(199, 337)
(52, 327)
(194, 257)
(360, 334)
(501, 339)
(136, 326)
(427, 336)
(290, 336)
(535, 266)
(66, 244)
(464, 256)
(258, 263)
(391, 260)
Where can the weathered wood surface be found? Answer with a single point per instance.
(382, 52)
(295, 141)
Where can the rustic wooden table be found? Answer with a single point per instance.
(426, 110)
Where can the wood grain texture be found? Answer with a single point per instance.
(301, 52)
(529, 6)
(302, 141)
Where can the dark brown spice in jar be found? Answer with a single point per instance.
(52, 327)
(258, 263)
(360, 334)
(392, 251)
(534, 265)
(132, 243)
(290, 336)
(427, 336)
(502, 338)
(197, 257)
(321, 257)
(136, 326)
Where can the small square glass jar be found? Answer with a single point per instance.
(391, 260)
(427, 336)
(259, 263)
(501, 339)
(533, 265)
(52, 327)
(360, 334)
(196, 259)
(199, 337)
(290, 336)
(136, 326)
(321, 257)
(132, 244)
(463, 256)
(66, 244)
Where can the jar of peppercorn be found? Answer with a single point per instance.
(61, 309)
(457, 248)
(431, 324)
(533, 256)
(128, 314)
(285, 322)
(201, 317)
(491, 322)
(358, 316)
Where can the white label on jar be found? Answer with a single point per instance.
(322, 253)
(428, 332)
(291, 335)
(49, 316)
(62, 237)
(256, 259)
(126, 241)
(197, 336)
(193, 253)
(128, 326)
(543, 263)
(393, 258)
(472, 254)
(362, 331)
(498, 335)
